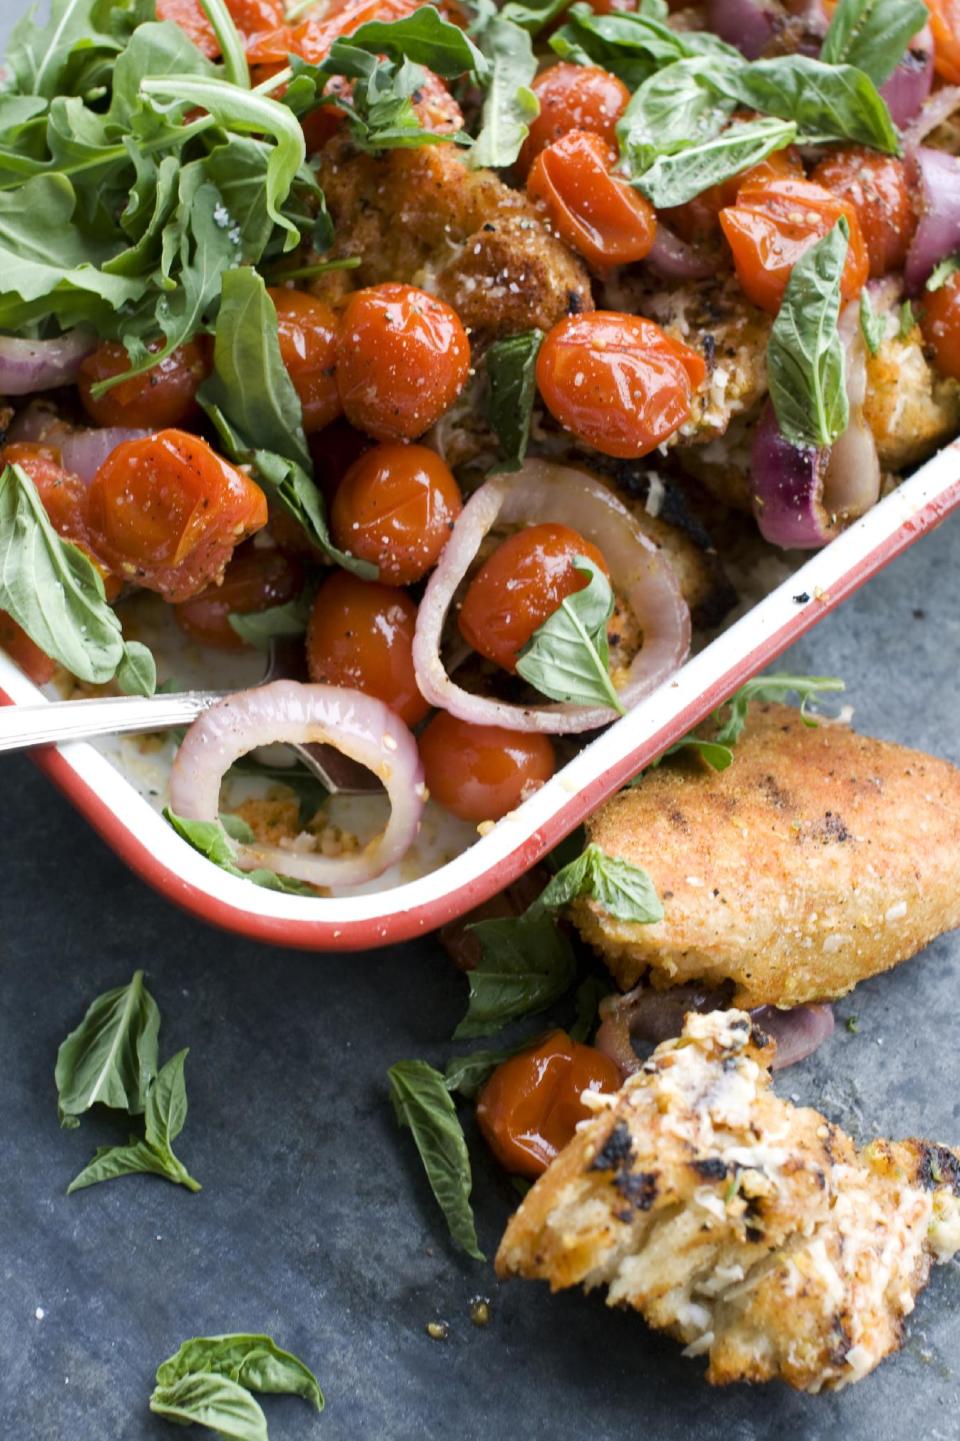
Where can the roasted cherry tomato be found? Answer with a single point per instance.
(940, 323)
(617, 381)
(361, 635)
(402, 360)
(699, 219)
(945, 27)
(307, 331)
(530, 1107)
(774, 222)
(573, 97)
(250, 17)
(479, 773)
(313, 37)
(255, 579)
(396, 506)
(164, 395)
(22, 651)
(64, 498)
(167, 512)
(596, 212)
(519, 586)
(876, 186)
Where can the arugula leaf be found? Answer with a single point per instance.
(206, 1399)
(211, 840)
(567, 658)
(39, 56)
(510, 104)
(422, 1102)
(805, 359)
(770, 687)
(873, 327)
(872, 34)
(111, 1057)
(941, 273)
(624, 890)
(258, 628)
(511, 377)
(675, 179)
(527, 963)
(232, 54)
(533, 15)
(54, 593)
(253, 1361)
(827, 102)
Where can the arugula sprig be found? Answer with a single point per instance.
(568, 657)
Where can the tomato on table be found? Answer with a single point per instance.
(480, 773)
(64, 498)
(945, 27)
(876, 186)
(164, 395)
(255, 579)
(361, 635)
(616, 381)
(573, 97)
(402, 360)
(307, 332)
(699, 218)
(597, 213)
(774, 223)
(396, 507)
(530, 1107)
(940, 323)
(167, 512)
(23, 652)
(519, 585)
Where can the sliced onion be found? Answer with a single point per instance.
(38, 421)
(84, 451)
(27, 366)
(747, 24)
(797, 1032)
(285, 711)
(938, 231)
(674, 259)
(940, 106)
(542, 491)
(909, 85)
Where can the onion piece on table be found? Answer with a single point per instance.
(27, 366)
(285, 711)
(907, 88)
(938, 204)
(542, 491)
(674, 259)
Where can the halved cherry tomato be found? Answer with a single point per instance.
(519, 586)
(312, 39)
(164, 395)
(945, 25)
(361, 635)
(876, 186)
(250, 17)
(64, 498)
(940, 323)
(255, 579)
(167, 512)
(402, 360)
(22, 651)
(530, 1107)
(617, 381)
(774, 222)
(308, 348)
(479, 773)
(596, 212)
(396, 507)
(573, 97)
(699, 219)
(435, 107)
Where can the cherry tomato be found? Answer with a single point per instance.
(308, 348)
(167, 512)
(402, 360)
(945, 25)
(249, 16)
(313, 37)
(479, 773)
(519, 586)
(22, 651)
(597, 213)
(530, 1107)
(255, 579)
(573, 97)
(396, 507)
(940, 323)
(699, 219)
(64, 498)
(617, 381)
(876, 186)
(773, 223)
(164, 395)
(435, 106)
(361, 635)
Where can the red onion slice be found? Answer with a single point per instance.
(797, 1032)
(27, 366)
(84, 451)
(747, 24)
(285, 711)
(542, 491)
(674, 259)
(938, 231)
(940, 106)
(909, 85)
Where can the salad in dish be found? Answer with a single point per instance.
(488, 353)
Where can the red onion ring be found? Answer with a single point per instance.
(747, 24)
(938, 231)
(84, 451)
(674, 259)
(285, 711)
(27, 366)
(940, 106)
(797, 1032)
(542, 491)
(908, 87)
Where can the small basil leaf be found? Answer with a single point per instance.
(872, 34)
(511, 376)
(826, 102)
(258, 628)
(253, 1361)
(210, 839)
(770, 688)
(111, 1057)
(109, 1162)
(510, 104)
(675, 179)
(567, 657)
(467, 1074)
(526, 964)
(166, 1110)
(422, 1102)
(624, 890)
(873, 327)
(212, 1401)
(805, 358)
(137, 671)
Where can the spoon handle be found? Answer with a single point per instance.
(54, 722)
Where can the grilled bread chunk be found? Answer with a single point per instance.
(749, 1228)
(817, 858)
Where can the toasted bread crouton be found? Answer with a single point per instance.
(908, 406)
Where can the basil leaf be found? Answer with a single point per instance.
(624, 890)
(827, 102)
(422, 1102)
(111, 1057)
(675, 179)
(253, 1361)
(210, 839)
(590, 993)
(426, 39)
(941, 273)
(567, 657)
(805, 360)
(633, 44)
(510, 104)
(872, 34)
(766, 688)
(717, 757)
(212, 1401)
(166, 1110)
(109, 1162)
(258, 628)
(873, 326)
(526, 964)
(672, 110)
(467, 1074)
(54, 593)
(511, 376)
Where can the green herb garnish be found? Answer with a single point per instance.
(567, 658)
(422, 1102)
